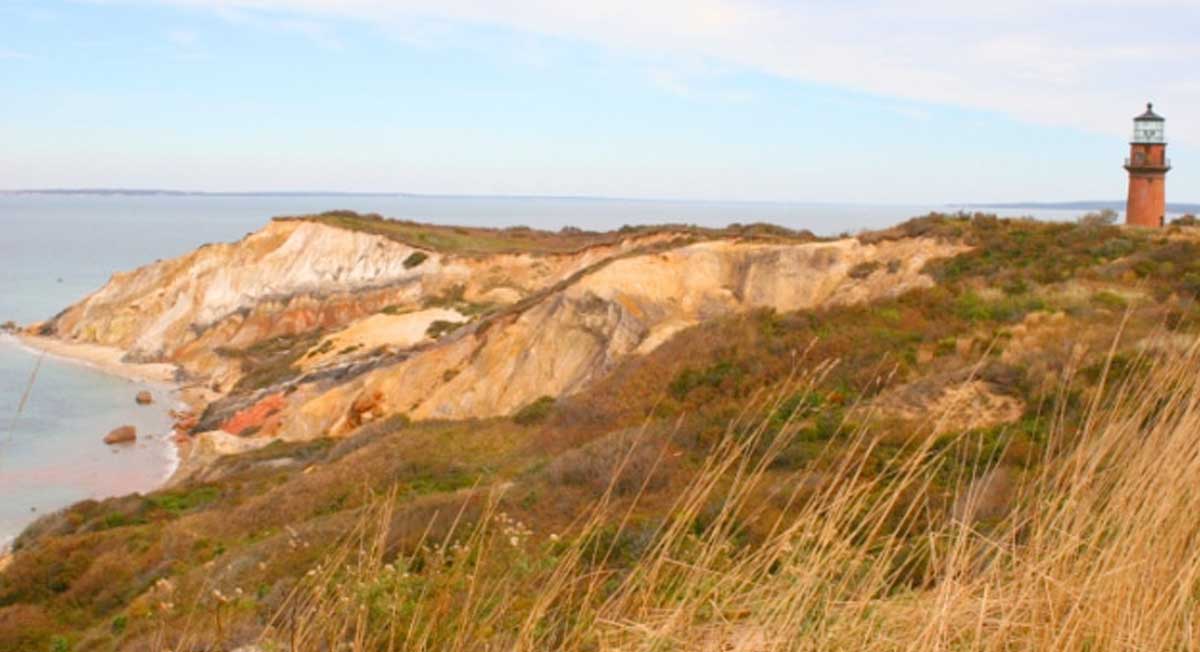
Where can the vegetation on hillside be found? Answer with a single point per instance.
(521, 239)
(1095, 549)
(747, 485)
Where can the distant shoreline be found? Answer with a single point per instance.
(1119, 206)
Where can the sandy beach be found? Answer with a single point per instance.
(103, 358)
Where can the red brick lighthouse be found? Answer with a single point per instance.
(1148, 166)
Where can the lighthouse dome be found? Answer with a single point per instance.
(1149, 127)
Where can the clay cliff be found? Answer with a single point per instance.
(308, 328)
(294, 276)
(574, 336)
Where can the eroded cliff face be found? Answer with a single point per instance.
(292, 277)
(574, 336)
(394, 330)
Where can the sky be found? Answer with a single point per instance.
(866, 101)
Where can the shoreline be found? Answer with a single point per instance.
(108, 360)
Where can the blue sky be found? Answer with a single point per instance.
(858, 100)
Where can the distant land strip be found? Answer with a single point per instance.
(1173, 207)
(1083, 205)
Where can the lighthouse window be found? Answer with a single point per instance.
(1139, 157)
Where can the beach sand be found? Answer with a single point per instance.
(105, 358)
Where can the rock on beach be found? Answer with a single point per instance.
(122, 435)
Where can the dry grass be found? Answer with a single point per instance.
(1098, 552)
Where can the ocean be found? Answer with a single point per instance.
(55, 249)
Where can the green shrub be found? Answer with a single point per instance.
(1115, 248)
(889, 313)
(972, 307)
(178, 502)
(1108, 299)
(452, 296)
(796, 406)
(115, 520)
(1015, 286)
(946, 346)
(827, 424)
(441, 327)
(1190, 283)
(535, 412)
(414, 259)
(712, 376)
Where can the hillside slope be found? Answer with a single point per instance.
(945, 364)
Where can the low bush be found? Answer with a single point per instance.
(180, 501)
(1100, 218)
(415, 259)
(1111, 300)
(440, 327)
(625, 459)
(536, 412)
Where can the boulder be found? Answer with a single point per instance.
(122, 435)
(144, 398)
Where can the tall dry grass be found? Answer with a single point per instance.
(1099, 551)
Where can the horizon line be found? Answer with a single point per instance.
(1076, 204)
(389, 193)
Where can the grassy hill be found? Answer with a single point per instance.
(974, 465)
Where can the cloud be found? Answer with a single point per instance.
(1080, 63)
(13, 55)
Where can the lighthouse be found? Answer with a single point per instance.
(1148, 166)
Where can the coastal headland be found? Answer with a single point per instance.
(360, 373)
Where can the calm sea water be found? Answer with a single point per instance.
(55, 249)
